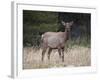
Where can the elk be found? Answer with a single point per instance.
(56, 40)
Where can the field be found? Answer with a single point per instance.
(75, 56)
(77, 27)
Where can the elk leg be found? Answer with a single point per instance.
(62, 54)
(49, 52)
(43, 53)
(59, 51)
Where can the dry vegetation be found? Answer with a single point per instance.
(74, 57)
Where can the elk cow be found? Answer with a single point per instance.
(56, 40)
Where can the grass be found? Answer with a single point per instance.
(75, 56)
(82, 42)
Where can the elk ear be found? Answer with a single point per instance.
(71, 23)
(63, 23)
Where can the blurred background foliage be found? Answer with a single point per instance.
(35, 23)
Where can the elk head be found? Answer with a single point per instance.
(67, 25)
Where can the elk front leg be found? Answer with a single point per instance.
(62, 54)
(59, 51)
(49, 52)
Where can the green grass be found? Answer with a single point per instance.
(83, 42)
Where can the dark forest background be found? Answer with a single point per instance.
(35, 23)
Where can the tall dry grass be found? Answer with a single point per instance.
(74, 57)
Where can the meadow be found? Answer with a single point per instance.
(75, 56)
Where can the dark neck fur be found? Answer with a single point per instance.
(67, 33)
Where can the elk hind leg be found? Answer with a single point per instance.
(43, 53)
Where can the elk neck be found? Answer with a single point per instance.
(66, 34)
